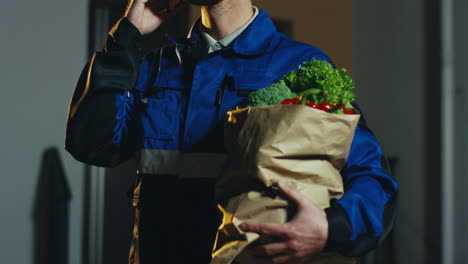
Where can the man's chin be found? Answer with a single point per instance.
(204, 2)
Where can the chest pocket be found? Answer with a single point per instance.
(239, 85)
(162, 106)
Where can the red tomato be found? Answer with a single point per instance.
(347, 111)
(325, 106)
(296, 100)
(312, 104)
(286, 101)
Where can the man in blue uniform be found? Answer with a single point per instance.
(168, 108)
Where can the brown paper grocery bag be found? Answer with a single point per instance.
(295, 144)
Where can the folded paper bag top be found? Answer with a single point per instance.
(283, 142)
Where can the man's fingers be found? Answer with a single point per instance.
(292, 194)
(270, 250)
(265, 228)
(140, 6)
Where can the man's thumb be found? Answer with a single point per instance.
(292, 194)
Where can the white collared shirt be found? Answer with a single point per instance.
(214, 45)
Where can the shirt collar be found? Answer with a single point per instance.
(254, 39)
(229, 39)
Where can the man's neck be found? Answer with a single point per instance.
(224, 18)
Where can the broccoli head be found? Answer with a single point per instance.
(271, 95)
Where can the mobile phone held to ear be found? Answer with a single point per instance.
(164, 5)
(159, 5)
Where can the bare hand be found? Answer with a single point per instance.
(305, 235)
(145, 15)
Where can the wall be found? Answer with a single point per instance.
(322, 23)
(42, 51)
(388, 65)
(460, 127)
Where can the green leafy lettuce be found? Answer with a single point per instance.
(335, 85)
(317, 81)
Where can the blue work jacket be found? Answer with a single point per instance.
(174, 100)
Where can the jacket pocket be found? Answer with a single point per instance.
(161, 115)
(237, 87)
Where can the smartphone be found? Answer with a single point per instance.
(162, 5)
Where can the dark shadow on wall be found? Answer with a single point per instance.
(51, 211)
(433, 127)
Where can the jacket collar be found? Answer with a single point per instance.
(254, 40)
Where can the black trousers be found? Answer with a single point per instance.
(178, 220)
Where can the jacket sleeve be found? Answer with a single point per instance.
(365, 214)
(101, 128)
